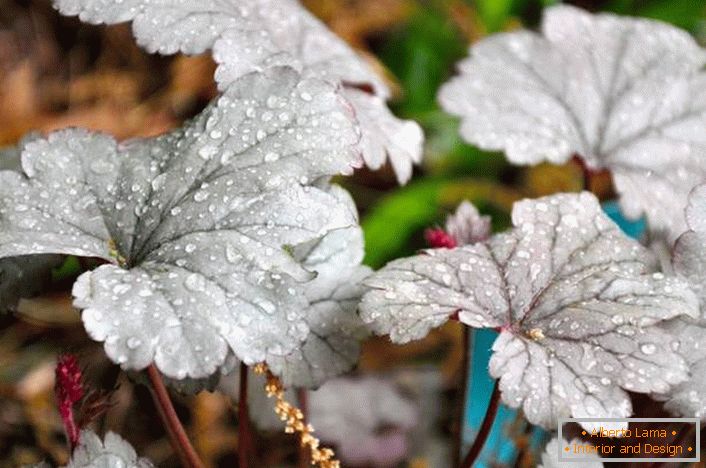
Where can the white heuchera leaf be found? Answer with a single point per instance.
(265, 30)
(574, 298)
(352, 413)
(689, 398)
(385, 136)
(366, 419)
(467, 226)
(112, 452)
(248, 35)
(330, 310)
(333, 344)
(195, 225)
(624, 94)
(550, 457)
(253, 35)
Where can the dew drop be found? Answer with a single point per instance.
(121, 289)
(195, 282)
(206, 152)
(617, 319)
(200, 196)
(133, 342)
(271, 157)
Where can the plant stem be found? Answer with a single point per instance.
(243, 419)
(587, 177)
(484, 428)
(461, 397)
(586, 173)
(177, 435)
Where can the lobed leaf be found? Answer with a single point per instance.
(113, 451)
(197, 226)
(467, 226)
(550, 457)
(350, 413)
(254, 35)
(689, 261)
(333, 345)
(575, 300)
(384, 136)
(624, 94)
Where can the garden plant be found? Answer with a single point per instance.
(227, 255)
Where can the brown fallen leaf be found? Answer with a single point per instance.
(52, 309)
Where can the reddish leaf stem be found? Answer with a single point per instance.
(586, 172)
(485, 427)
(461, 397)
(177, 435)
(244, 435)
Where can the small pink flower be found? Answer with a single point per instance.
(438, 238)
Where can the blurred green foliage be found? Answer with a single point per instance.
(70, 268)
(420, 55)
(687, 14)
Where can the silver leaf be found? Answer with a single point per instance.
(197, 226)
(349, 412)
(253, 35)
(550, 458)
(575, 300)
(624, 94)
(467, 226)
(112, 452)
(689, 261)
(333, 345)
(384, 136)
